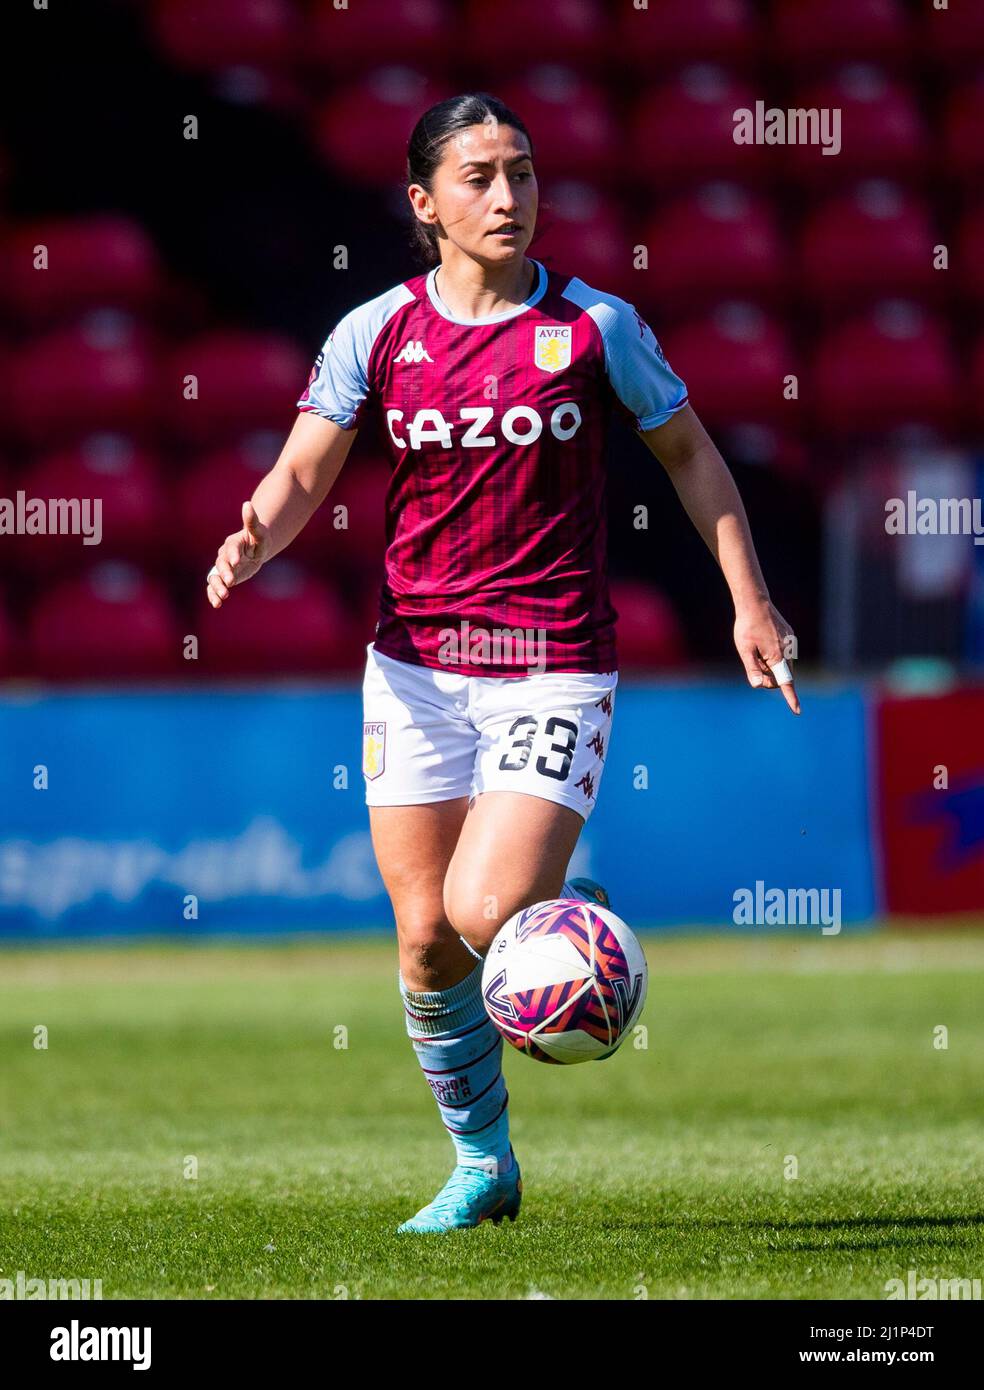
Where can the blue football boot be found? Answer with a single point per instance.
(469, 1197)
(587, 890)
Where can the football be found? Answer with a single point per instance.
(564, 980)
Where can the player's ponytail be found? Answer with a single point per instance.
(426, 150)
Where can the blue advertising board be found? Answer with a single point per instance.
(242, 811)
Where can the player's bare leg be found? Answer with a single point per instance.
(413, 847)
(454, 1039)
(513, 850)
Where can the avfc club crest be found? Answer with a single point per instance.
(373, 750)
(552, 346)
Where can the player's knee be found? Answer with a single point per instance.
(476, 917)
(425, 941)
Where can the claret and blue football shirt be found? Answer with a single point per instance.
(495, 428)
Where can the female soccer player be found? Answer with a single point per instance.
(489, 687)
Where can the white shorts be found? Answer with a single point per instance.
(432, 735)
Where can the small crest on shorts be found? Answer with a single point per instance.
(373, 749)
(552, 346)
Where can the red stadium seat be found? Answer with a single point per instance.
(716, 242)
(885, 369)
(283, 622)
(209, 498)
(976, 399)
(245, 381)
(672, 33)
(813, 33)
(734, 363)
(648, 633)
(226, 33)
(112, 622)
(92, 262)
(968, 265)
(352, 40)
(8, 429)
(571, 121)
(124, 479)
(579, 231)
(954, 37)
(882, 134)
(501, 33)
(363, 129)
(764, 447)
(683, 132)
(874, 241)
(963, 148)
(99, 374)
(11, 655)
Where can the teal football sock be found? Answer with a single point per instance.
(460, 1054)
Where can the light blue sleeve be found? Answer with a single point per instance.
(640, 375)
(339, 381)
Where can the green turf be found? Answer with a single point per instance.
(659, 1172)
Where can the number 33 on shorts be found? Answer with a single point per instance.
(556, 745)
(432, 735)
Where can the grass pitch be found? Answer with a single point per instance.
(249, 1122)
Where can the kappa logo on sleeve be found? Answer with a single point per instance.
(318, 364)
(643, 329)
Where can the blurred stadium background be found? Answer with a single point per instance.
(229, 772)
(804, 1121)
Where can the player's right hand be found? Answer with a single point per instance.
(239, 557)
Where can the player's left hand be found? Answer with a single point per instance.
(764, 639)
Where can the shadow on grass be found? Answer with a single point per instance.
(836, 1223)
